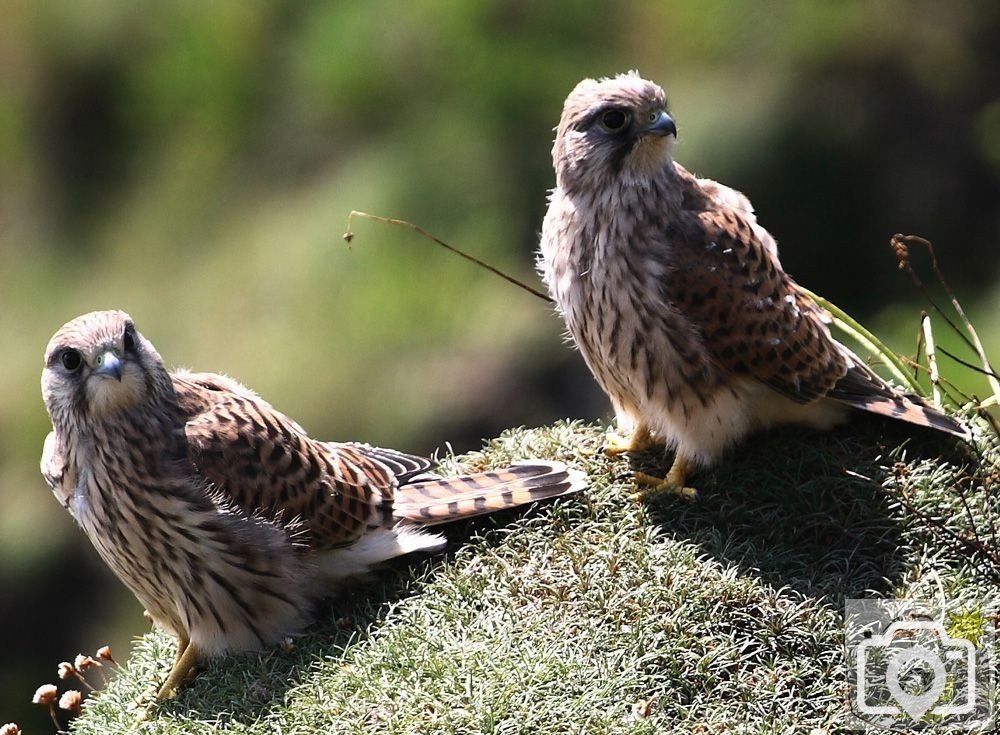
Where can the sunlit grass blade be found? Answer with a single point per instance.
(928, 331)
(854, 329)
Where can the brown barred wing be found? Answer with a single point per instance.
(756, 322)
(260, 461)
(753, 320)
(438, 501)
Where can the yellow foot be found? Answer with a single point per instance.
(674, 483)
(640, 440)
(660, 486)
(187, 657)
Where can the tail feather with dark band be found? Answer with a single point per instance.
(438, 501)
(862, 389)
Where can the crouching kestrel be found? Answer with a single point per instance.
(220, 514)
(676, 297)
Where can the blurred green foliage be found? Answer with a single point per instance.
(194, 164)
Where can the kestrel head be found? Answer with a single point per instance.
(98, 365)
(610, 128)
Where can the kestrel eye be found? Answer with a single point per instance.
(71, 360)
(128, 339)
(652, 117)
(614, 120)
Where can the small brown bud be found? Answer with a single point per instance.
(104, 653)
(70, 700)
(45, 694)
(83, 662)
(10, 728)
(901, 250)
(66, 670)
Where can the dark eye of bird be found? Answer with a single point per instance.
(614, 120)
(71, 360)
(128, 339)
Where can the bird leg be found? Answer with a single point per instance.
(187, 657)
(673, 483)
(182, 643)
(638, 441)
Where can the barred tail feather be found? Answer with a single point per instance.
(860, 388)
(439, 501)
(913, 410)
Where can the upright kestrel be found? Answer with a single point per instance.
(676, 297)
(219, 513)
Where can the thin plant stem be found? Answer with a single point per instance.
(920, 344)
(928, 332)
(349, 236)
(849, 326)
(967, 364)
(900, 246)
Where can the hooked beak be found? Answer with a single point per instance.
(662, 125)
(109, 365)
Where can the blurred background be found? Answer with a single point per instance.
(194, 164)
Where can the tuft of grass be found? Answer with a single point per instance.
(593, 614)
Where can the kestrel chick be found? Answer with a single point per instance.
(220, 514)
(676, 297)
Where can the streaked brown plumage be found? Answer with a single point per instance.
(675, 295)
(222, 516)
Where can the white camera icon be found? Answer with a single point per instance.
(907, 645)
